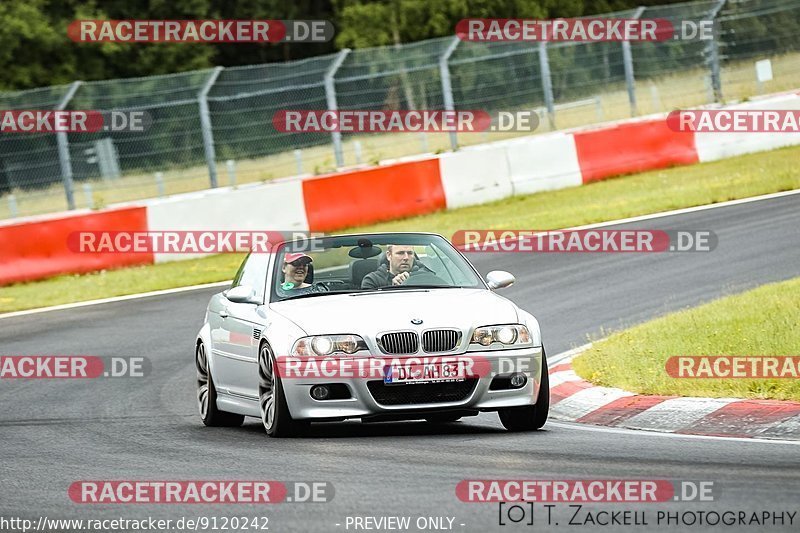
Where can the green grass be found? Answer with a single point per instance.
(639, 194)
(762, 321)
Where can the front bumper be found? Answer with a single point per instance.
(475, 394)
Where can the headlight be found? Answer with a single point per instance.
(507, 335)
(322, 345)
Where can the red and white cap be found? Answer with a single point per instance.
(290, 258)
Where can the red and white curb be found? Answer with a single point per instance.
(576, 400)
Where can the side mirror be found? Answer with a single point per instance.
(243, 294)
(497, 279)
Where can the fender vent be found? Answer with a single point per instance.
(256, 334)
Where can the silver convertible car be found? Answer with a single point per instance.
(390, 326)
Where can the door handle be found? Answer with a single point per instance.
(224, 313)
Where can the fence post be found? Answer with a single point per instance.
(627, 61)
(160, 183)
(447, 86)
(87, 192)
(12, 206)
(63, 149)
(712, 52)
(298, 159)
(205, 125)
(547, 85)
(230, 165)
(330, 97)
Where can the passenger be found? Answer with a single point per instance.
(400, 266)
(295, 270)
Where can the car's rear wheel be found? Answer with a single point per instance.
(271, 399)
(530, 417)
(207, 394)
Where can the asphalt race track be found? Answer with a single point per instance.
(54, 432)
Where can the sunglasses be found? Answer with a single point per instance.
(299, 262)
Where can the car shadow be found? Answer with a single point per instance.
(413, 428)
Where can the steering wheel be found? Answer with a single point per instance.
(334, 284)
(422, 277)
(320, 286)
(330, 282)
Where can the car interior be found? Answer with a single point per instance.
(346, 272)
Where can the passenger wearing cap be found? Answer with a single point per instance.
(295, 270)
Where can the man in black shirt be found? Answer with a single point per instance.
(401, 265)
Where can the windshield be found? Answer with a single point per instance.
(364, 263)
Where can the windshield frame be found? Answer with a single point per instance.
(330, 242)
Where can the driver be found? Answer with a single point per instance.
(401, 265)
(295, 270)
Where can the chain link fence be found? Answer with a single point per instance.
(214, 127)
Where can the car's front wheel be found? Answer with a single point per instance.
(207, 394)
(274, 410)
(530, 417)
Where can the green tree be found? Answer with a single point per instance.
(35, 49)
(249, 54)
(377, 23)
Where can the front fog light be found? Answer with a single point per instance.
(320, 392)
(518, 381)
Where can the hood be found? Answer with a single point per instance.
(373, 312)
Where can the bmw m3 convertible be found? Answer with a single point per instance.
(390, 326)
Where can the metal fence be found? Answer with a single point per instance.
(214, 127)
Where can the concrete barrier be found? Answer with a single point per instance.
(276, 206)
(714, 146)
(543, 162)
(40, 249)
(630, 147)
(475, 175)
(373, 195)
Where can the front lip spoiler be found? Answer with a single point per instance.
(416, 414)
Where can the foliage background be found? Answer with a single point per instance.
(35, 50)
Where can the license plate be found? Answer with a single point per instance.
(424, 373)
